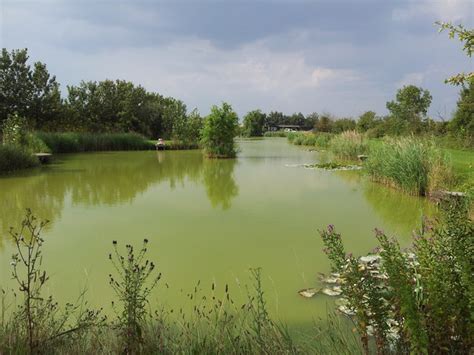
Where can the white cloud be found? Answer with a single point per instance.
(442, 10)
(411, 79)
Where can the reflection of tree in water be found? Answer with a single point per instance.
(218, 177)
(110, 179)
(42, 193)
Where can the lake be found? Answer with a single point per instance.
(207, 220)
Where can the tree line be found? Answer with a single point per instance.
(31, 92)
(408, 114)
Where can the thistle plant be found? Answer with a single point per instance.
(132, 285)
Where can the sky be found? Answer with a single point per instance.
(333, 56)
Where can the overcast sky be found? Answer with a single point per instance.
(343, 57)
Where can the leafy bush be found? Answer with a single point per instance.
(220, 129)
(348, 145)
(416, 301)
(89, 142)
(15, 158)
(414, 165)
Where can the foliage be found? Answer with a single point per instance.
(463, 120)
(70, 142)
(426, 292)
(279, 134)
(368, 120)
(254, 122)
(194, 124)
(132, 289)
(220, 129)
(348, 145)
(319, 140)
(343, 124)
(29, 92)
(274, 118)
(14, 130)
(410, 108)
(324, 124)
(414, 165)
(14, 158)
(467, 37)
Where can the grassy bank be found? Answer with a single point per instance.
(69, 142)
(14, 158)
(415, 165)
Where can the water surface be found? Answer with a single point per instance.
(208, 220)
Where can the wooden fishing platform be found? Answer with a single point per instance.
(44, 158)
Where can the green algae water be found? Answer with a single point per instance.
(206, 220)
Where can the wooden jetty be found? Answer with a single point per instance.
(44, 158)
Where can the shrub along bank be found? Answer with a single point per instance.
(14, 158)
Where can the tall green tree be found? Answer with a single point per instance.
(324, 124)
(187, 127)
(30, 92)
(343, 124)
(220, 129)
(367, 120)
(410, 108)
(463, 120)
(254, 122)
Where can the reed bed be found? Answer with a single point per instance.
(273, 134)
(71, 142)
(348, 145)
(413, 165)
(319, 140)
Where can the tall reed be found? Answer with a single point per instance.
(72, 142)
(413, 165)
(348, 145)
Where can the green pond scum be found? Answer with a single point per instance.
(208, 220)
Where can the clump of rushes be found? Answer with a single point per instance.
(348, 145)
(38, 324)
(132, 285)
(413, 165)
